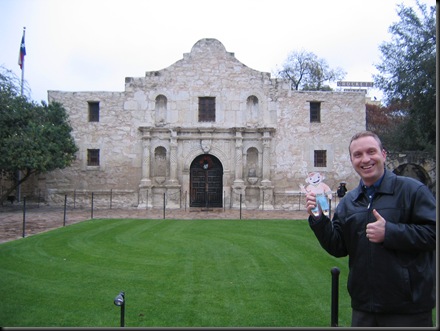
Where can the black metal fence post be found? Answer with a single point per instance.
(240, 205)
(65, 206)
(92, 208)
(24, 217)
(335, 296)
(164, 206)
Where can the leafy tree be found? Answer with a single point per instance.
(408, 77)
(34, 138)
(308, 72)
(384, 121)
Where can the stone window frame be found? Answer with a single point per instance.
(94, 109)
(207, 109)
(320, 158)
(93, 157)
(315, 111)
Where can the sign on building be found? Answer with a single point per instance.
(355, 84)
(363, 90)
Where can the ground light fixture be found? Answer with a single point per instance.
(120, 301)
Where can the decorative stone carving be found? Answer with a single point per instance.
(252, 176)
(160, 180)
(205, 144)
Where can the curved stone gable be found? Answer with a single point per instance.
(208, 47)
(210, 59)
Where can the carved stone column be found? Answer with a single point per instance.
(145, 193)
(238, 187)
(172, 186)
(266, 156)
(266, 191)
(173, 157)
(238, 157)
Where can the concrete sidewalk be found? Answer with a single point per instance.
(43, 218)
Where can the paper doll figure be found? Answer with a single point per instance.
(322, 191)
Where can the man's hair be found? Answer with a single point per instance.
(365, 134)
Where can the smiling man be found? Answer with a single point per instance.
(387, 227)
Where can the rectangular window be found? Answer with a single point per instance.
(206, 109)
(93, 157)
(315, 112)
(320, 158)
(93, 111)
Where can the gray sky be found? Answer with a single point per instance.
(92, 45)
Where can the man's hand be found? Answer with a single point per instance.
(375, 231)
(311, 204)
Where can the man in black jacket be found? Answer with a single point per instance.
(387, 227)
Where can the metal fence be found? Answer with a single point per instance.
(82, 205)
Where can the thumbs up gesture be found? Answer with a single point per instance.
(375, 231)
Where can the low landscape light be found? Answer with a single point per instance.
(120, 301)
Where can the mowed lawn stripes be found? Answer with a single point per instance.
(175, 273)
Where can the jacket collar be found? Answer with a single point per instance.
(386, 186)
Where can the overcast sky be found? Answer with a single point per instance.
(92, 45)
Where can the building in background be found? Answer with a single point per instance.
(207, 131)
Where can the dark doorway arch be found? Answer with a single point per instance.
(414, 171)
(206, 182)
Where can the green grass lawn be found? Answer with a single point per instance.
(175, 273)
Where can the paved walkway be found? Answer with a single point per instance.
(40, 218)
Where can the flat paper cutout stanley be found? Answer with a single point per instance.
(322, 191)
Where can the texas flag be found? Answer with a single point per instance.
(22, 53)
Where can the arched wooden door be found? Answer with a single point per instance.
(206, 182)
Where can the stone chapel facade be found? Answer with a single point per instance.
(207, 131)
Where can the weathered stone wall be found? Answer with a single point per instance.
(266, 148)
(116, 135)
(342, 114)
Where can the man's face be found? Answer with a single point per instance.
(368, 159)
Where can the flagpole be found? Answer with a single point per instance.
(22, 82)
(22, 65)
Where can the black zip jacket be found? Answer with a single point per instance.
(397, 275)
